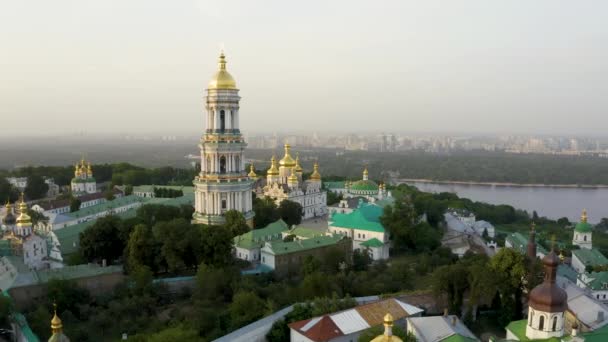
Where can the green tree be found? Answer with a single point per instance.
(128, 190)
(177, 333)
(109, 194)
(265, 212)
(290, 212)
(74, 204)
(235, 223)
(399, 221)
(7, 191)
(214, 246)
(5, 309)
(245, 308)
(36, 187)
(215, 284)
(142, 248)
(103, 240)
(67, 295)
(179, 241)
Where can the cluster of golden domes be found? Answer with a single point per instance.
(288, 162)
(83, 168)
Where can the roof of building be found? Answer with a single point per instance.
(279, 247)
(334, 185)
(518, 328)
(257, 237)
(364, 185)
(599, 282)
(567, 272)
(599, 335)
(306, 233)
(585, 308)
(366, 217)
(520, 243)
(372, 243)
(150, 188)
(54, 204)
(98, 208)
(440, 328)
(590, 257)
(458, 338)
(353, 320)
(351, 202)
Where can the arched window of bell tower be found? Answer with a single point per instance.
(585, 238)
(554, 325)
(541, 322)
(222, 164)
(208, 168)
(231, 119)
(237, 163)
(222, 120)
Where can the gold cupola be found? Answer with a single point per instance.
(584, 216)
(89, 170)
(57, 328)
(298, 167)
(292, 179)
(388, 331)
(287, 160)
(76, 170)
(273, 170)
(23, 219)
(222, 78)
(252, 173)
(315, 173)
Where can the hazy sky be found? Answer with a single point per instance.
(142, 66)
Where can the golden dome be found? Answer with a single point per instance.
(252, 173)
(56, 323)
(89, 170)
(222, 78)
(273, 170)
(315, 173)
(293, 178)
(388, 331)
(23, 219)
(287, 160)
(584, 216)
(298, 167)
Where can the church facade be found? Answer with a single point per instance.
(285, 182)
(222, 183)
(83, 181)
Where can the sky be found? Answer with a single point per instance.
(141, 66)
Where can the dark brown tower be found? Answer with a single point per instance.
(532, 243)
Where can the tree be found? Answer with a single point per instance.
(290, 212)
(74, 204)
(215, 246)
(177, 333)
(102, 240)
(235, 223)
(142, 248)
(36, 188)
(5, 309)
(128, 190)
(361, 259)
(67, 295)
(215, 284)
(245, 308)
(109, 194)
(178, 240)
(265, 212)
(7, 191)
(333, 198)
(399, 221)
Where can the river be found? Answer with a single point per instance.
(552, 202)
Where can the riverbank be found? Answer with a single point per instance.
(495, 184)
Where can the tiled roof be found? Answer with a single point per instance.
(590, 257)
(366, 217)
(439, 328)
(353, 320)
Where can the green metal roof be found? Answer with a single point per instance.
(366, 217)
(364, 185)
(257, 237)
(80, 180)
(305, 232)
(458, 338)
(280, 247)
(599, 279)
(150, 188)
(590, 257)
(334, 185)
(518, 328)
(98, 208)
(520, 243)
(373, 243)
(583, 227)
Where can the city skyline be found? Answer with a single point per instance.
(422, 67)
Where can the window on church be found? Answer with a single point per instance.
(554, 326)
(585, 238)
(223, 204)
(541, 322)
(222, 164)
(222, 120)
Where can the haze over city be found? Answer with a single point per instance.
(463, 66)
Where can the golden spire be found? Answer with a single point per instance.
(23, 219)
(584, 216)
(273, 170)
(222, 78)
(76, 170)
(298, 167)
(287, 160)
(315, 173)
(293, 178)
(252, 173)
(365, 173)
(388, 331)
(89, 170)
(56, 324)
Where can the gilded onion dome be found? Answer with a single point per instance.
(298, 167)
(252, 173)
(583, 226)
(273, 170)
(23, 219)
(388, 331)
(76, 170)
(9, 218)
(287, 160)
(292, 178)
(89, 170)
(57, 328)
(222, 78)
(315, 173)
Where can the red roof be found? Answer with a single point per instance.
(319, 329)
